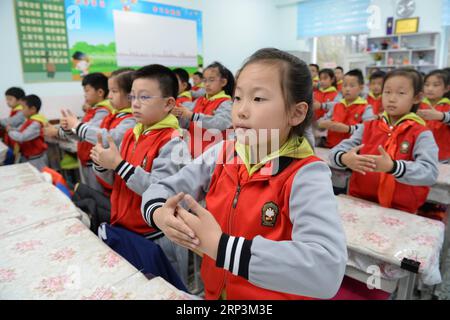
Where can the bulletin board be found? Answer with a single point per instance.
(71, 38)
(43, 41)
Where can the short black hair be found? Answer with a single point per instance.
(33, 100)
(168, 82)
(331, 74)
(96, 80)
(358, 74)
(377, 75)
(339, 68)
(441, 74)
(315, 65)
(198, 73)
(78, 55)
(15, 92)
(225, 74)
(183, 75)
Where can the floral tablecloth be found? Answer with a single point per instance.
(3, 151)
(383, 237)
(17, 175)
(65, 260)
(27, 205)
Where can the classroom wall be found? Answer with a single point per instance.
(232, 30)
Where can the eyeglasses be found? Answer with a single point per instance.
(210, 80)
(142, 99)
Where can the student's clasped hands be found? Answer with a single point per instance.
(108, 158)
(367, 162)
(197, 230)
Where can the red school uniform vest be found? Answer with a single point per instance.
(405, 197)
(324, 96)
(376, 103)
(349, 115)
(125, 204)
(236, 217)
(34, 147)
(84, 147)
(111, 121)
(441, 131)
(208, 107)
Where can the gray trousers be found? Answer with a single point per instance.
(88, 177)
(177, 256)
(39, 163)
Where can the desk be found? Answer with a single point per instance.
(18, 175)
(382, 237)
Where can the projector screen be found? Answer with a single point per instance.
(143, 39)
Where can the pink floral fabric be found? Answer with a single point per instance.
(387, 236)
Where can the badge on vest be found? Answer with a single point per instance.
(404, 147)
(269, 214)
(356, 115)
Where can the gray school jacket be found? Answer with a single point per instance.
(94, 123)
(312, 264)
(88, 131)
(221, 120)
(31, 132)
(446, 119)
(423, 171)
(15, 121)
(171, 158)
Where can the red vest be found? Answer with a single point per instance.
(406, 197)
(84, 147)
(183, 99)
(110, 122)
(441, 131)
(339, 86)
(376, 104)
(244, 220)
(125, 204)
(323, 97)
(205, 106)
(33, 147)
(350, 115)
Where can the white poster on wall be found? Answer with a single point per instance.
(143, 39)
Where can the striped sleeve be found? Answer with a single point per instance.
(125, 170)
(399, 169)
(446, 118)
(234, 254)
(149, 208)
(81, 130)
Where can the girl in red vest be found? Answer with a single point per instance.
(115, 123)
(394, 159)
(375, 89)
(30, 135)
(327, 93)
(150, 151)
(344, 117)
(339, 73)
(198, 89)
(210, 115)
(435, 109)
(95, 86)
(270, 229)
(184, 87)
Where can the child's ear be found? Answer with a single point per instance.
(223, 82)
(418, 98)
(298, 114)
(101, 92)
(171, 103)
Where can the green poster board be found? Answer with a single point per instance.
(43, 41)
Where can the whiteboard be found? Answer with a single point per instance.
(143, 39)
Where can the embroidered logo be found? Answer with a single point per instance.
(356, 115)
(269, 214)
(404, 147)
